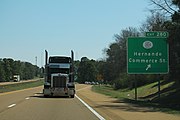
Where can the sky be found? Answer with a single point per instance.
(28, 27)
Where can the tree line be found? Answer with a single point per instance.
(10, 67)
(165, 16)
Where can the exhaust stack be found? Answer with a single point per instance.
(72, 58)
(46, 57)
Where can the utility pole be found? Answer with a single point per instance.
(36, 60)
(36, 65)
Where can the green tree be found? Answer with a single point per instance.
(9, 67)
(87, 70)
(7, 64)
(115, 67)
(2, 73)
(29, 71)
(16, 67)
(100, 65)
(173, 27)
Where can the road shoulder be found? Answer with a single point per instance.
(113, 109)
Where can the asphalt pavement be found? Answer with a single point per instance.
(30, 104)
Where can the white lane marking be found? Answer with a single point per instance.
(27, 98)
(91, 109)
(12, 105)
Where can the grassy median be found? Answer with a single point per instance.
(20, 86)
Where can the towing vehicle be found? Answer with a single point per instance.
(59, 76)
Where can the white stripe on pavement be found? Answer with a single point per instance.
(27, 98)
(91, 109)
(12, 105)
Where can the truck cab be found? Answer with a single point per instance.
(16, 78)
(59, 76)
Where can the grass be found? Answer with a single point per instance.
(147, 96)
(20, 86)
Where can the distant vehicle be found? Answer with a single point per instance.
(16, 78)
(59, 76)
(91, 83)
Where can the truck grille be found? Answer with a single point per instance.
(59, 81)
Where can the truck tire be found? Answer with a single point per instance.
(46, 96)
(72, 96)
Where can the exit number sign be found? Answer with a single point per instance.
(158, 34)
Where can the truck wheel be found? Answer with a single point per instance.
(45, 96)
(72, 96)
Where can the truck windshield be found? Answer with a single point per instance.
(59, 70)
(59, 60)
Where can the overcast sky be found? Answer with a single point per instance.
(28, 27)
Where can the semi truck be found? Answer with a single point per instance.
(16, 78)
(59, 76)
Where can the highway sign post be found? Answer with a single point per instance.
(148, 55)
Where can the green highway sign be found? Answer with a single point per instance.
(146, 55)
(159, 34)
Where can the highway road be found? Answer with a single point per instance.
(30, 104)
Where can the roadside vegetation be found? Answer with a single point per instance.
(112, 69)
(165, 16)
(147, 96)
(20, 86)
(10, 67)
